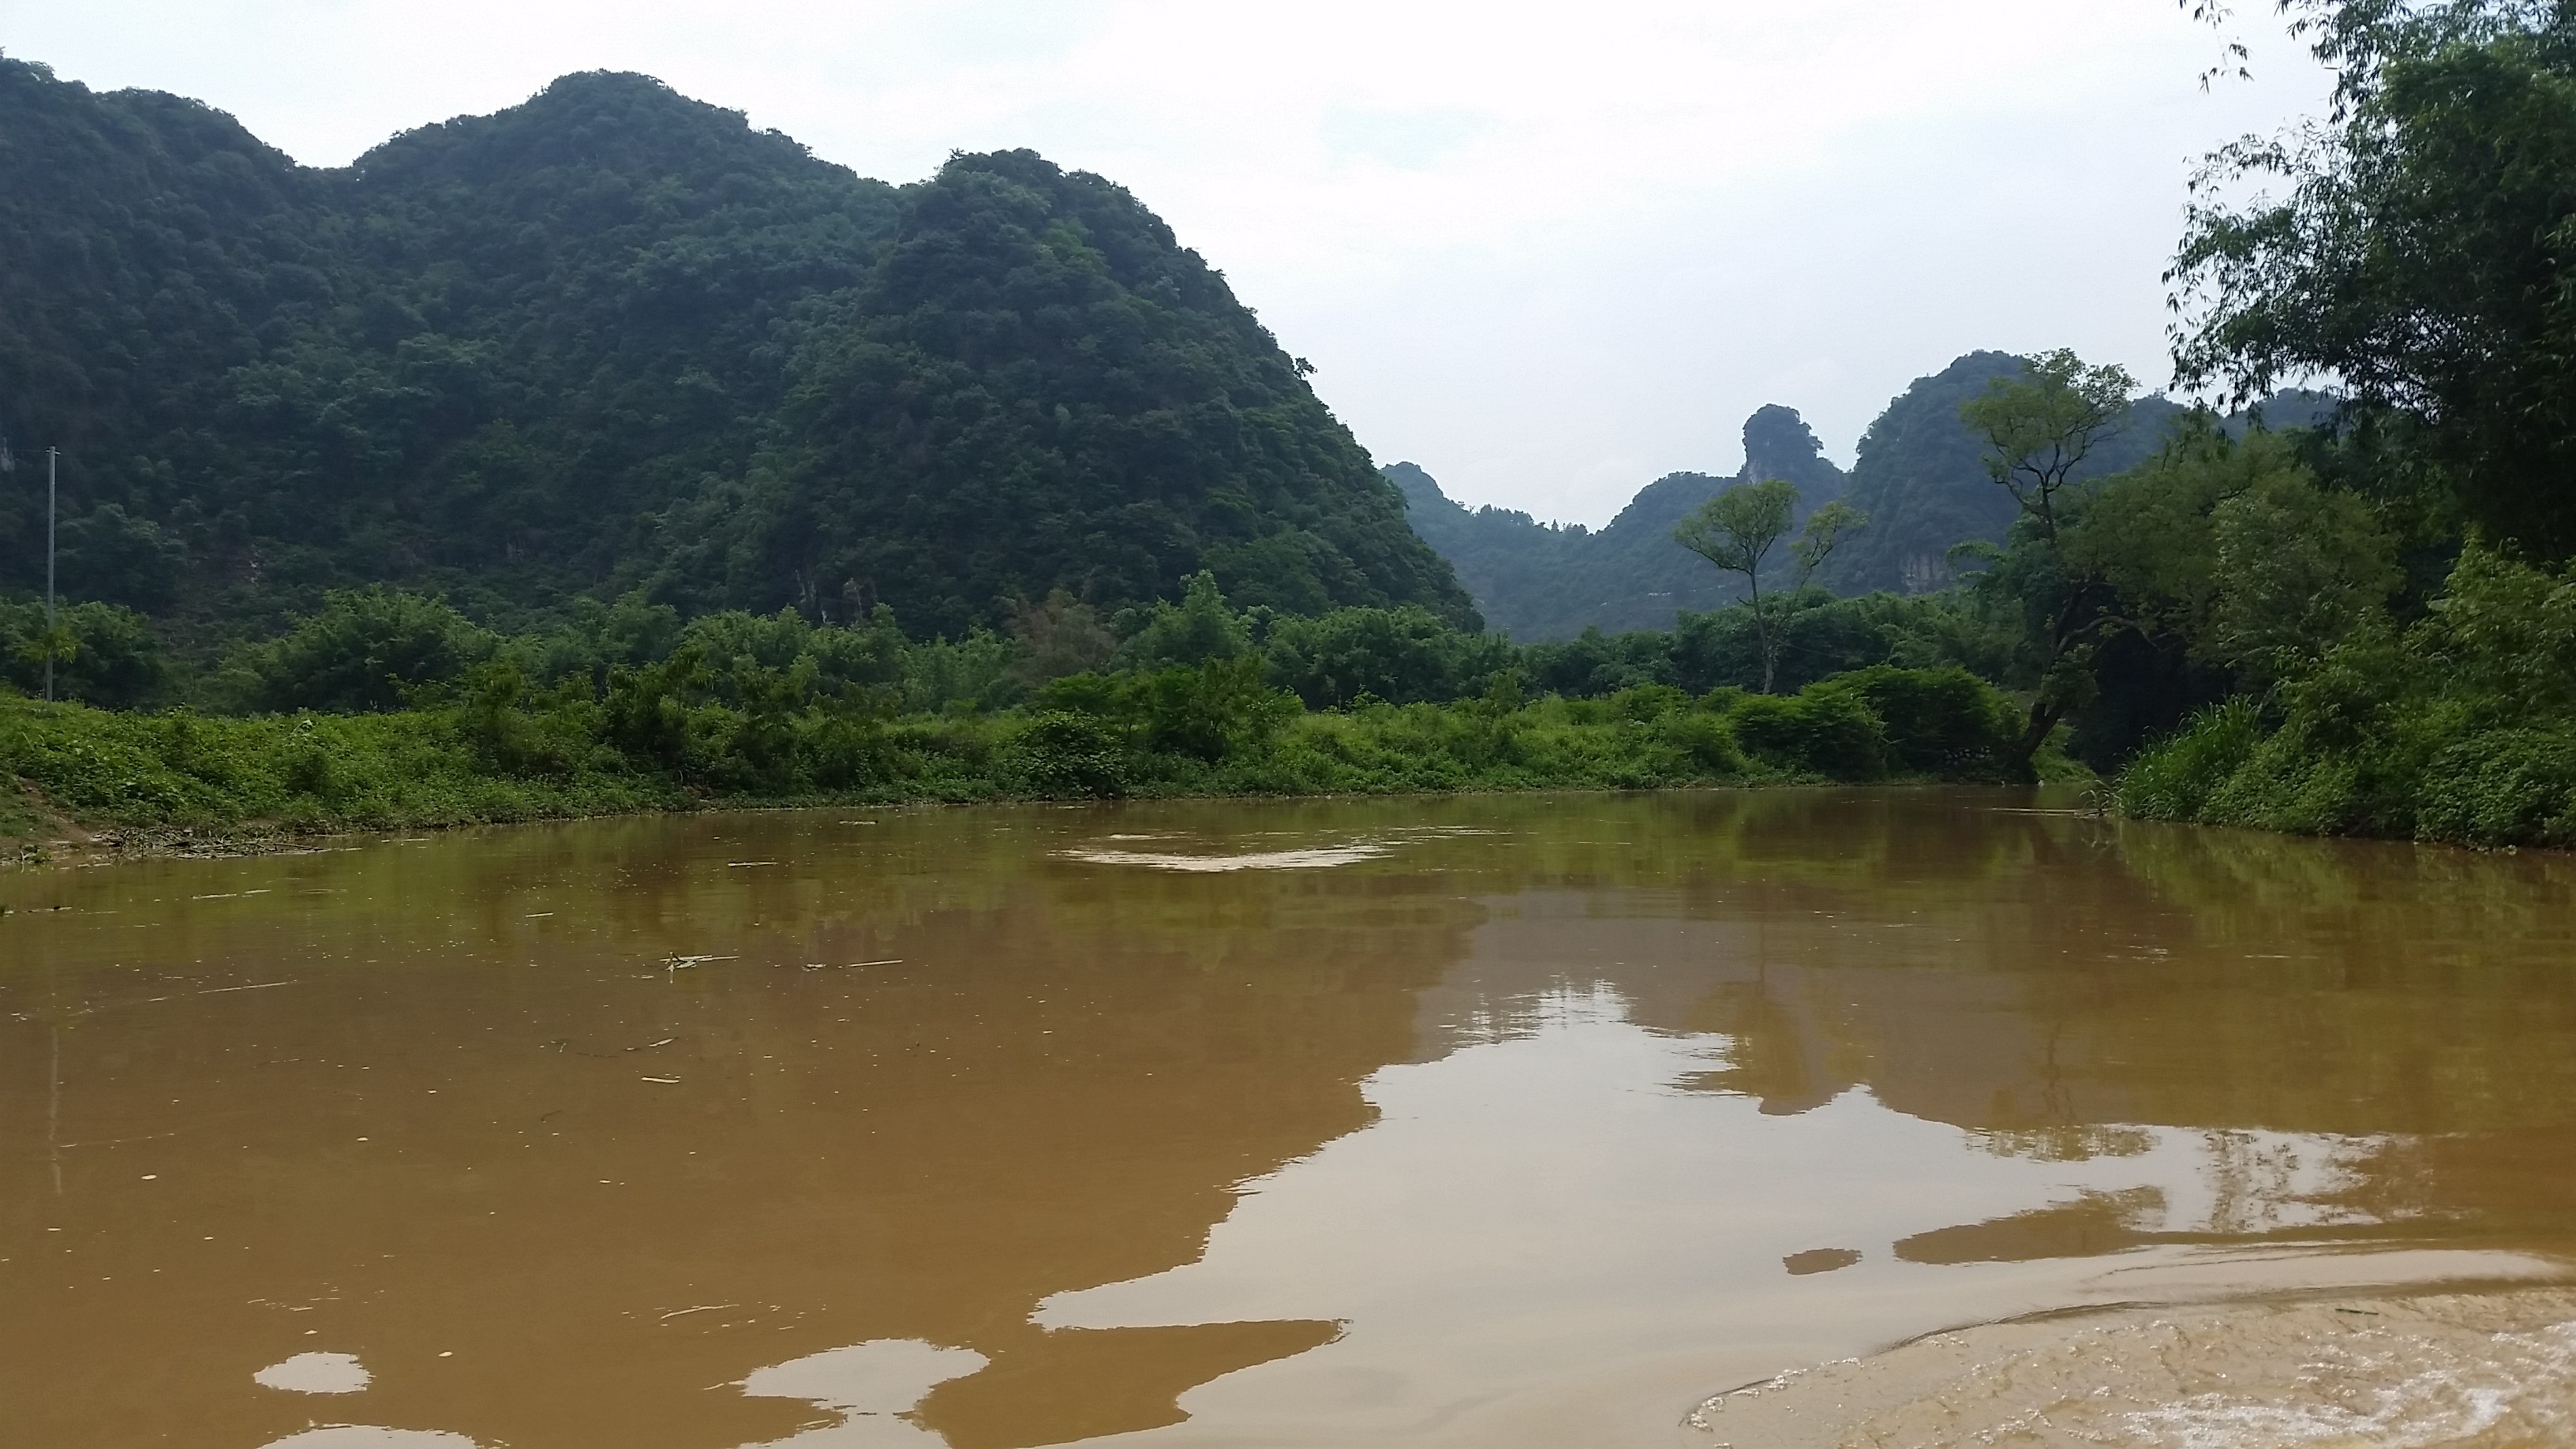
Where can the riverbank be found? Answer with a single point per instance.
(2451, 1368)
(2458, 728)
(181, 782)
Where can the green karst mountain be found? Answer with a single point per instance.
(614, 338)
(1779, 444)
(1537, 580)
(1547, 581)
(1920, 477)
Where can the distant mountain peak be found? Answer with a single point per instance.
(1779, 444)
(1920, 477)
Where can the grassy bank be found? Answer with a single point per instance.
(656, 739)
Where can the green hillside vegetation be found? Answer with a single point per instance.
(2346, 615)
(1919, 477)
(388, 708)
(1538, 580)
(614, 339)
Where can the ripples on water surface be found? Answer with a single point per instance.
(1461, 1120)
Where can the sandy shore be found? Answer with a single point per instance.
(2493, 1368)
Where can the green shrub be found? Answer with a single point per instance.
(1218, 708)
(646, 715)
(2175, 778)
(1200, 629)
(2286, 785)
(366, 651)
(1399, 655)
(1643, 702)
(494, 746)
(1824, 729)
(2502, 787)
(116, 660)
(1702, 741)
(1942, 721)
(1064, 753)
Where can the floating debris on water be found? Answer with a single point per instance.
(1312, 858)
(315, 1373)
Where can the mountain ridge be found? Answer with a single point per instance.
(615, 339)
(1538, 580)
(1919, 475)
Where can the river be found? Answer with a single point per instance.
(1481, 1119)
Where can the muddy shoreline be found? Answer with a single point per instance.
(2470, 1364)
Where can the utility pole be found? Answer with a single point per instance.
(50, 455)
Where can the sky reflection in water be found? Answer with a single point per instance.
(1499, 1117)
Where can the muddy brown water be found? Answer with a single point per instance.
(1458, 1120)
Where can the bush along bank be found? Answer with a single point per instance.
(680, 734)
(2460, 727)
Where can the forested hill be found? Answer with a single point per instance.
(1921, 473)
(615, 338)
(1920, 477)
(1550, 581)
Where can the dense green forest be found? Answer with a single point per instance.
(1920, 475)
(1920, 478)
(614, 339)
(388, 708)
(2345, 611)
(2391, 600)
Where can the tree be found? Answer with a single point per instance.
(102, 654)
(2234, 548)
(2041, 424)
(2424, 256)
(1197, 629)
(2039, 427)
(361, 652)
(1829, 525)
(1737, 529)
(1060, 636)
(51, 646)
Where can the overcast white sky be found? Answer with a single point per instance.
(1549, 252)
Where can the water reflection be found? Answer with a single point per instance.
(870, 1388)
(1002, 1128)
